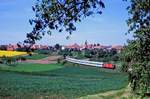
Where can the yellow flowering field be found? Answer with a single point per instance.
(11, 53)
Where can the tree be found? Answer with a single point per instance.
(113, 52)
(58, 47)
(3, 47)
(60, 15)
(137, 53)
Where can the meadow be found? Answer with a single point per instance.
(35, 56)
(29, 67)
(61, 82)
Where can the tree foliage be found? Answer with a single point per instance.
(137, 52)
(60, 15)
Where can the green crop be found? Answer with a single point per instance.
(67, 82)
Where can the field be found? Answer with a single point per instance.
(11, 53)
(124, 93)
(36, 56)
(61, 82)
(28, 67)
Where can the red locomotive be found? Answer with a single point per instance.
(108, 65)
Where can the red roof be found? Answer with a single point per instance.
(74, 46)
(118, 47)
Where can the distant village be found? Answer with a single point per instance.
(75, 46)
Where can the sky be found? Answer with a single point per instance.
(107, 29)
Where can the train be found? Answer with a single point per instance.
(91, 63)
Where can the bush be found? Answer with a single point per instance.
(64, 62)
(21, 58)
(58, 60)
(47, 52)
(115, 58)
(9, 60)
(1, 61)
(124, 67)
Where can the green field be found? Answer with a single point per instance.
(63, 82)
(36, 56)
(29, 67)
(124, 93)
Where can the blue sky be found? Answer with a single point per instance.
(108, 28)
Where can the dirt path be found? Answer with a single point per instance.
(47, 60)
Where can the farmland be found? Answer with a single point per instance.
(124, 93)
(28, 67)
(36, 56)
(63, 82)
(11, 53)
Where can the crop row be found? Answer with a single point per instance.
(69, 82)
